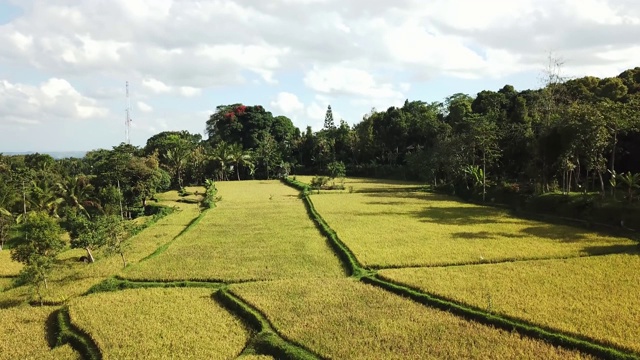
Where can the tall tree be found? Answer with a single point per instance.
(328, 119)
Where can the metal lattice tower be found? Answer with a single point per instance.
(127, 131)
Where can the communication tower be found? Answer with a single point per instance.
(127, 131)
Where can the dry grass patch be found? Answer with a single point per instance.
(346, 319)
(418, 229)
(24, 335)
(8, 267)
(159, 323)
(260, 230)
(593, 296)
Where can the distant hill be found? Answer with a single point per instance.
(54, 154)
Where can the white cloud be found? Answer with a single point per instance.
(189, 91)
(196, 51)
(287, 103)
(348, 80)
(53, 100)
(156, 86)
(144, 107)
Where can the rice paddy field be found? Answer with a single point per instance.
(260, 244)
(258, 231)
(592, 296)
(8, 267)
(360, 185)
(159, 323)
(346, 319)
(404, 229)
(23, 335)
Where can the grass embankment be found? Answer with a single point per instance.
(259, 230)
(24, 335)
(422, 229)
(346, 319)
(157, 323)
(594, 297)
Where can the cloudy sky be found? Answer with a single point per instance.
(64, 63)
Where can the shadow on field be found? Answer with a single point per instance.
(552, 232)
(470, 235)
(449, 215)
(613, 249)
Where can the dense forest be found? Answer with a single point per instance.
(580, 135)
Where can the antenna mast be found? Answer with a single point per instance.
(127, 131)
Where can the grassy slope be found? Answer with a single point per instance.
(345, 319)
(413, 229)
(156, 323)
(8, 267)
(23, 335)
(595, 296)
(258, 231)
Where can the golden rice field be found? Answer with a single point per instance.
(422, 229)
(353, 184)
(591, 296)
(159, 323)
(8, 267)
(23, 335)
(259, 230)
(347, 319)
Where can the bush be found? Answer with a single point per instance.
(336, 169)
(209, 200)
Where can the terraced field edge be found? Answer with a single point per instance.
(350, 262)
(267, 340)
(67, 333)
(164, 247)
(552, 336)
(118, 283)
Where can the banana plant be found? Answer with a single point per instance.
(631, 181)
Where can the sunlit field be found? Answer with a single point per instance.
(8, 267)
(259, 230)
(159, 323)
(593, 296)
(423, 229)
(346, 319)
(23, 335)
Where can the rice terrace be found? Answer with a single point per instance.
(386, 271)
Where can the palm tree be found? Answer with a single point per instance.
(177, 159)
(220, 158)
(44, 198)
(239, 156)
(77, 193)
